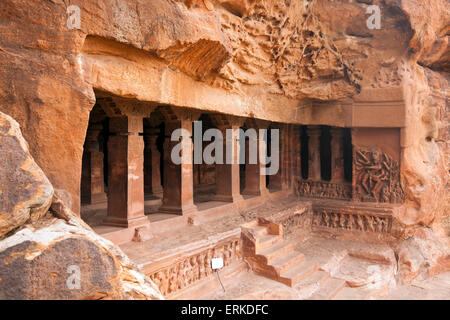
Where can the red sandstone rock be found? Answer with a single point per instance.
(25, 192)
(421, 256)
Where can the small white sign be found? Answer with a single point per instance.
(216, 263)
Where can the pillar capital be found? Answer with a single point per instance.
(227, 121)
(126, 125)
(257, 123)
(314, 131)
(92, 135)
(336, 132)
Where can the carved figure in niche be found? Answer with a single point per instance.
(377, 176)
(164, 281)
(234, 249)
(372, 223)
(209, 256)
(237, 249)
(325, 219)
(351, 222)
(173, 283)
(343, 222)
(373, 174)
(383, 226)
(181, 276)
(201, 266)
(183, 280)
(335, 222)
(193, 273)
(226, 255)
(359, 222)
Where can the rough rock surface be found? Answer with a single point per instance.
(49, 253)
(421, 256)
(25, 192)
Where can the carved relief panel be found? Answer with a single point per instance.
(194, 268)
(352, 221)
(376, 177)
(322, 189)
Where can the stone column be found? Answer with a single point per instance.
(337, 155)
(227, 174)
(178, 195)
(126, 172)
(276, 180)
(255, 182)
(314, 134)
(285, 155)
(93, 188)
(152, 156)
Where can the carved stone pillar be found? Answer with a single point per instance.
(227, 174)
(314, 134)
(284, 136)
(126, 172)
(152, 174)
(337, 155)
(93, 185)
(178, 195)
(255, 182)
(276, 180)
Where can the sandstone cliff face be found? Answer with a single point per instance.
(48, 252)
(259, 58)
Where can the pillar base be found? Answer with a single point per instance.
(125, 223)
(178, 210)
(158, 192)
(225, 198)
(251, 192)
(99, 198)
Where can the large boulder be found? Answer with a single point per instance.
(46, 251)
(25, 192)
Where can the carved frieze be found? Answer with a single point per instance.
(351, 221)
(376, 177)
(194, 268)
(321, 189)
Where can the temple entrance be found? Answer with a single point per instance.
(131, 185)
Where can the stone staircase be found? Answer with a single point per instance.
(273, 257)
(323, 270)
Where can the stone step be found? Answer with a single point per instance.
(273, 252)
(266, 241)
(294, 275)
(260, 230)
(329, 290)
(287, 261)
(311, 284)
